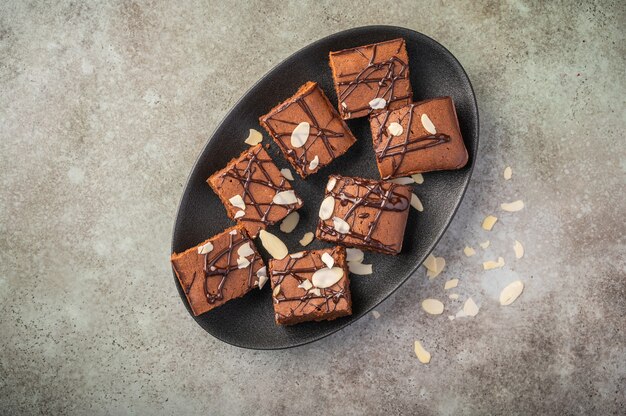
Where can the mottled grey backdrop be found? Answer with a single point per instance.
(103, 109)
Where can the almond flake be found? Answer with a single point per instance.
(273, 245)
(378, 103)
(306, 285)
(341, 226)
(508, 173)
(285, 198)
(451, 317)
(395, 129)
(254, 137)
(245, 250)
(328, 260)
(276, 290)
(314, 163)
(418, 178)
(416, 203)
(290, 222)
(489, 265)
(404, 180)
(489, 222)
(233, 232)
(205, 248)
(297, 255)
(315, 291)
(300, 135)
(450, 284)
(422, 355)
(327, 208)
(306, 239)
(453, 296)
(242, 263)
(468, 251)
(237, 201)
(239, 214)
(510, 293)
(485, 244)
(354, 254)
(326, 277)
(331, 183)
(358, 268)
(434, 265)
(261, 274)
(286, 174)
(432, 306)
(376, 314)
(428, 125)
(513, 206)
(519, 250)
(344, 105)
(470, 308)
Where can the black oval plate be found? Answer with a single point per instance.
(249, 321)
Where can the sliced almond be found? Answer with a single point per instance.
(254, 137)
(377, 103)
(314, 163)
(450, 284)
(273, 245)
(432, 306)
(428, 125)
(354, 254)
(331, 183)
(327, 208)
(239, 214)
(328, 260)
(297, 255)
(519, 250)
(315, 291)
(285, 198)
(468, 251)
(508, 173)
(300, 135)
(286, 174)
(453, 296)
(470, 308)
(489, 265)
(510, 293)
(261, 274)
(376, 314)
(205, 248)
(422, 355)
(242, 262)
(233, 232)
(418, 178)
(340, 225)
(290, 222)
(404, 180)
(237, 202)
(489, 222)
(395, 129)
(245, 250)
(513, 206)
(326, 277)
(359, 268)
(416, 203)
(306, 239)
(434, 265)
(485, 244)
(451, 317)
(276, 290)
(306, 285)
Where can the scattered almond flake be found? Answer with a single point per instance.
(285, 198)
(468, 251)
(490, 264)
(510, 293)
(485, 244)
(422, 355)
(262, 275)
(470, 308)
(489, 222)
(341, 226)
(245, 250)
(297, 255)
(328, 260)
(331, 183)
(416, 203)
(519, 250)
(461, 314)
(432, 306)
(404, 180)
(233, 232)
(276, 290)
(453, 296)
(205, 248)
(273, 245)
(327, 208)
(290, 222)
(428, 125)
(306, 239)
(237, 201)
(435, 266)
(306, 285)
(431, 262)
(254, 138)
(513, 206)
(418, 178)
(451, 317)
(376, 314)
(354, 254)
(314, 163)
(239, 214)
(242, 262)
(378, 103)
(300, 135)
(451, 284)
(286, 174)
(358, 268)
(395, 129)
(326, 277)
(315, 291)
(508, 173)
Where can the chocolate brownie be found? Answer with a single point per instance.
(371, 78)
(253, 190)
(417, 138)
(308, 130)
(364, 213)
(310, 286)
(224, 267)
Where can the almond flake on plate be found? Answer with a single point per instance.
(489, 222)
(432, 306)
(340, 225)
(285, 198)
(470, 308)
(450, 284)
(490, 264)
(300, 135)
(327, 208)
(306, 239)
(395, 129)
(354, 254)
(290, 222)
(254, 137)
(519, 250)
(508, 173)
(273, 245)
(328, 260)
(422, 355)
(434, 265)
(513, 206)
(468, 251)
(453, 296)
(262, 276)
(403, 180)
(510, 293)
(376, 314)
(358, 268)
(324, 278)
(416, 203)
(378, 103)
(314, 163)
(418, 178)
(428, 125)
(286, 174)
(237, 201)
(485, 244)
(451, 317)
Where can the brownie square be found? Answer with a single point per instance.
(371, 78)
(304, 288)
(364, 213)
(420, 137)
(224, 267)
(308, 110)
(253, 190)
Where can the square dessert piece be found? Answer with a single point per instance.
(310, 286)
(364, 213)
(371, 78)
(420, 137)
(219, 269)
(253, 190)
(308, 130)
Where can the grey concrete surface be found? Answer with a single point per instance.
(103, 109)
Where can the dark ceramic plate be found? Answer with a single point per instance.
(249, 321)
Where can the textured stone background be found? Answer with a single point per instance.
(103, 109)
